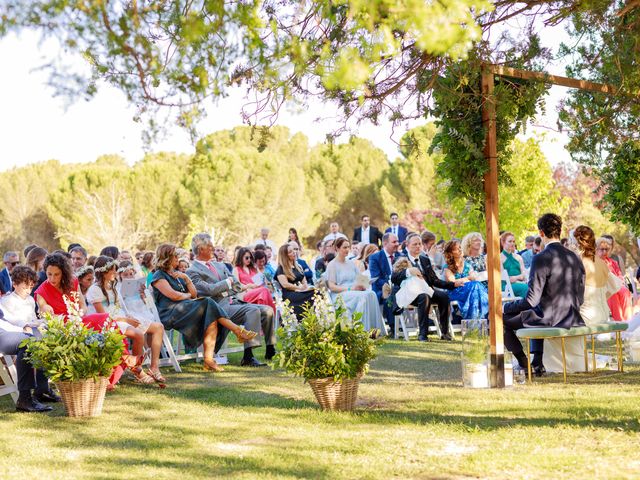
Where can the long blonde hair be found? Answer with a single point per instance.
(285, 262)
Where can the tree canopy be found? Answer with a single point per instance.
(389, 58)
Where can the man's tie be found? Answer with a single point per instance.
(213, 270)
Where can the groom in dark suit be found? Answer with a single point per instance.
(556, 291)
(366, 233)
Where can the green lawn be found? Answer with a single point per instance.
(414, 420)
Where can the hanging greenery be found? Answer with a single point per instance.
(457, 103)
(620, 181)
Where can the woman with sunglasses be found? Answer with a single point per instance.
(253, 284)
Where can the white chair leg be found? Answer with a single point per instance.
(9, 377)
(172, 360)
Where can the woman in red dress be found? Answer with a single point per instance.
(620, 303)
(245, 272)
(61, 283)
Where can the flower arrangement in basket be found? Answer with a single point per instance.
(328, 348)
(76, 358)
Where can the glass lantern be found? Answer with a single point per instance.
(475, 353)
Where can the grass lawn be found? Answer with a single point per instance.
(414, 420)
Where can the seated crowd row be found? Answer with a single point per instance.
(203, 296)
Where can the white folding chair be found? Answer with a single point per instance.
(9, 377)
(507, 295)
(169, 358)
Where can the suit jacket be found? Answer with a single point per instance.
(306, 270)
(375, 236)
(209, 285)
(556, 290)
(5, 281)
(428, 274)
(379, 267)
(402, 233)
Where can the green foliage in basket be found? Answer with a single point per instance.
(326, 342)
(70, 351)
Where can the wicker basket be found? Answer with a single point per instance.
(335, 395)
(83, 398)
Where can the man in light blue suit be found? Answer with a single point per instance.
(380, 266)
(397, 229)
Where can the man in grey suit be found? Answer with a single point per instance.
(556, 291)
(212, 279)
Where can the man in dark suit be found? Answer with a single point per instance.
(10, 260)
(422, 268)
(397, 229)
(380, 267)
(556, 291)
(366, 233)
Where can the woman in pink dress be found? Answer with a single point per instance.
(60, 283)
(620, 303)
(247, 274)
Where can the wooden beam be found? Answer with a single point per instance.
(493, 237)
(554, 79)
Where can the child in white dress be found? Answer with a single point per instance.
(102, 297)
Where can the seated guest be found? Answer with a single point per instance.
(183, 265)
(556, 291)
(321, 264)
(620, 303)
(527, 253)
(12, 334)
(291, 278)
(341, 280)
(397, 229)
(362, 261)
(180, 309)
(473, 251)
(308, 274)
(600, 284)
(102, 297)
(220, 253)
(111, 251)
(19, 305)
(146, 266)
(10, 260)
(264, 239)
(472, 296)
(366, 233)
(212, 279)
(85, 276)
(513, 264)
(380, 268)
(78, 257)
(264, 268)
(420, 266)
(60, 286)
(270, 260)
(244, 273)
(355, 249)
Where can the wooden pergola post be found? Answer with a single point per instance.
(491, 194)
(496, 365)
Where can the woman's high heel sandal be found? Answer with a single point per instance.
(244, 335)
(211, 365)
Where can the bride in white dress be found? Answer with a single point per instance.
(599, 286)
(341, 279)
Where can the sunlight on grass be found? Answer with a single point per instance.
(413, 420)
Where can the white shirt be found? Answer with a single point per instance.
(365, 237)
(334, 236)
(267, 243)
(17, 311)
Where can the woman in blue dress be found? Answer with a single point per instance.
(472, 297)
(341, 279)
(180, 308)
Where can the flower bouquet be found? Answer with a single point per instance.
(76, 358)
(328, 348)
